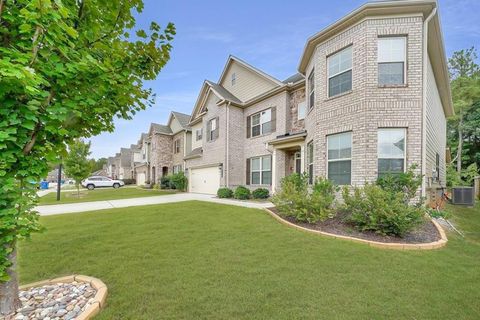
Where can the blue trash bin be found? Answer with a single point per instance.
(44, 185)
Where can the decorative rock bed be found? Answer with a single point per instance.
(66, 298)
(387, 243)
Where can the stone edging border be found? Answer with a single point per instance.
(99, 298)
(397, 246)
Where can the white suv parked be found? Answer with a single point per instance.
(98, 181)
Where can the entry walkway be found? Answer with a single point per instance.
(110, 204)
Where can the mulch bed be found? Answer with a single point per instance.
(425, 233)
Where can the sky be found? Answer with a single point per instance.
(267, 34)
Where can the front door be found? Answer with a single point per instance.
(298, 162)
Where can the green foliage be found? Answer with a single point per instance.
(260, 193)
(438, 213)
(165, 182)
(77, 165)
(463, 132)
(295, 200)
(178, 181)
(67, 68)
(464, 178)
(406, 182)
(372, 208)
(129, 181)
(225, 193)
(98, 164)
(241, 193)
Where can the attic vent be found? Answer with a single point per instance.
(463, 196)
(234, 78)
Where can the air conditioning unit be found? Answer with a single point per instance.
(463, 196)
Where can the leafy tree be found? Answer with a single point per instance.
(463, 128)
(98, 164)
(77, 165)
(67, 68)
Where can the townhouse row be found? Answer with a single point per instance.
(371, 97)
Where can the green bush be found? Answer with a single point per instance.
(242, 193)
(405, 182)
(372, 208)
(225, 193)
(129, 181)
(178, 181)
(260, 193)
(295, 200)
(165, 182)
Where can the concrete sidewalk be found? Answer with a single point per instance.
(111, 204)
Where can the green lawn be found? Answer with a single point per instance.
(197, 260)
(100, 194)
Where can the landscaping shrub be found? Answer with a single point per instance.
(179, 181)
(295, 200)
(372, 208)
(165, 182)
(260, 193)
(129, 181)
(242, 193)
(225, 193)
(405, 182)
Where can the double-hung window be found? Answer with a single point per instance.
(340, 72)
(212, 132)
(392, 57)
(391, 151)
(301, 110)
(176, 146)
(340, 158)
(177, 168)
(199, 134)
(310, 162)
(311, 89)
(261, 170)
(261, 123)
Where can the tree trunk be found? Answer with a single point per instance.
(9, 300)
(460, 144)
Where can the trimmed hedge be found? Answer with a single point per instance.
(242, 193)
(260, 193)
(225, 193)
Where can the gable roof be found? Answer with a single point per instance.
(294, 78)
(223, 93)
(159, 128)
(182, 118)
(232, 59)
(436, 47)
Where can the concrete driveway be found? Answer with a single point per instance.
(110, 204)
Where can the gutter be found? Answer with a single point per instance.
(424, 102)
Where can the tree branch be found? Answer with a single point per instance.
(28, 147)
(2, 3)
(36, 43)
(79, 15)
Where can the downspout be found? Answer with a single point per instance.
(227, 148)
(424, 102)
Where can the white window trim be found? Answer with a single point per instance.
(211, 123)
(311, 90)
(405, 52)
(304, 111)
(176, 145)
(260, 171)
(404, 148)
(260, 124)
(199, 137)
(338, 73)
(310, 163)
(341, 159)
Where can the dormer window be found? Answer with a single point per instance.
(234, 78)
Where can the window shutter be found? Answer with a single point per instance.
(209, 128)
(273, 125)
(217, 127)
(249, 126)
(248, 172)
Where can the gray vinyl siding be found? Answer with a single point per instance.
(436, 128)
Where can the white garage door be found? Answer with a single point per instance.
(140, 179)
(205, 180)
